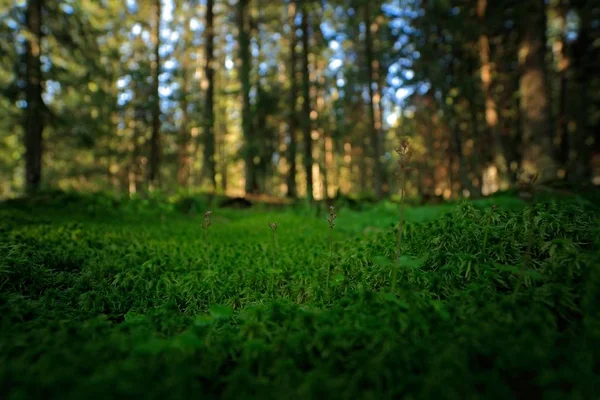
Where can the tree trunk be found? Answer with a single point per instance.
(374, 131)
(292, 190)
(209, 114)
(562, 61)
(306, 109)
(251, 185)
(491, 110)
(154, 167)
(183, 171)
(538, 150)
(34, 118)
(583, 67)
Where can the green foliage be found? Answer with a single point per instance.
(111, 301)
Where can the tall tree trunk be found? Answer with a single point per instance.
(537, 139)
(374, 131)
(183, 171)
(491, 110)
(209, 114)
(251, 185)
(34, 118)
(154, 167)
(292, 190)
(562, 61)
(223, 146)
(583, 66)
(306, 108)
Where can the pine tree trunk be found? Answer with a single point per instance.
(292, 191)
(306, 108)
(251, 185)
(209, 115)
(537, 136)
(154, 167)
(34, 118)
(491, 110)
(183, 171)
(562, 59)
(374, 131)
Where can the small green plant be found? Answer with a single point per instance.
(405, 154)
(273, 226)
(331, 220)
(205, 225)
(527, 182)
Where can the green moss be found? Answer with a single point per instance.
(101, 299)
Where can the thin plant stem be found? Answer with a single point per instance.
(206, 248)
(527, 255)
(400, 227)
(330, 259)
(487, 231)
(273, 264)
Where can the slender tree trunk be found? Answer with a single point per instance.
(34, 118)
(209, 114)
(183, 171)
(537, 139)
(306, 108)
(154, 167)
(491, 109)
(583, 67)
(292, 191)
(251, 185)
(562, 60)
(223, 134)
(371, 79)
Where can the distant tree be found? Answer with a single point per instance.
(154, 163)
(34, 115)
(537, 140)
(306, 106)
(209, 114)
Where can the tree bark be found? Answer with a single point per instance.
(306, 108)
(292, 191)
(562, 61)
(209, 114)
(154, 167)
(251, 185)
(34, 118)
(490, 108)
(374, 131)
(183, 171)
(537, 139)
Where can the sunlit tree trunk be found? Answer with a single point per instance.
(292, 190)
(491, 109)
(306, 107)
(537, 139)
(34, 118)
(183, 171)
(154, 167)
(209, 115)
(371, 79)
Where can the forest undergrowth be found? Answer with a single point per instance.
(103, 299)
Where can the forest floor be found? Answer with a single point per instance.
(106, 299)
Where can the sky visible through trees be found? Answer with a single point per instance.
(128, 97)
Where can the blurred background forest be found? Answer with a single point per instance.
(297, 98)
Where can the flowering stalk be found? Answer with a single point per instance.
(405, 154)
(205, 225)
(527, 193)
(331, 221)
(273, 226)
(487, 229)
